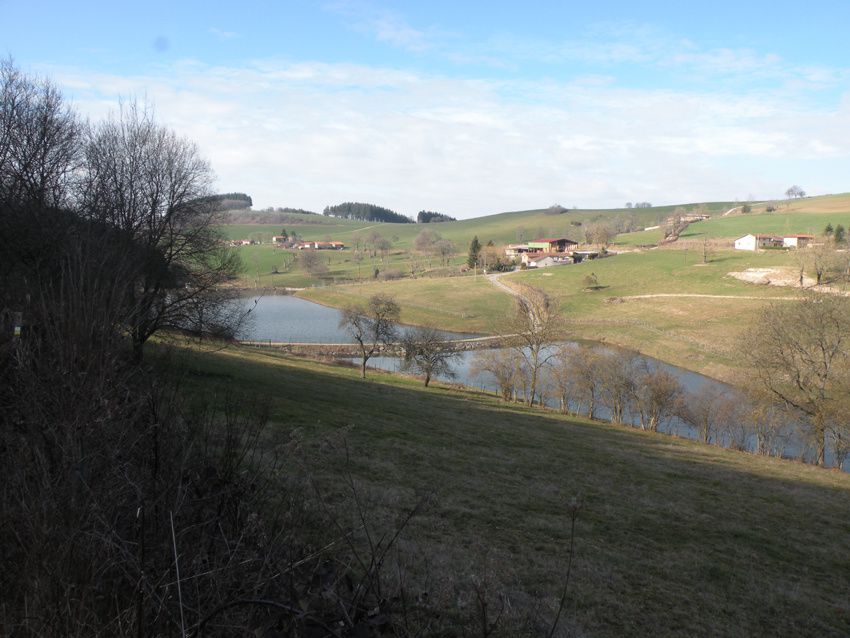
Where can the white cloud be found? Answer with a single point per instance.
(222, 34)
(310, 134)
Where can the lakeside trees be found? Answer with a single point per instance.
(799, 353)
(371, 326)
(427, 352)
(152, 187)
(536, 325)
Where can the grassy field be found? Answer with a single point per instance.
(673, 538)
(460, 304)
(696, 333)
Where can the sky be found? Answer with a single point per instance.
(469, 108)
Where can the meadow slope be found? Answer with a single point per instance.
(673, 537)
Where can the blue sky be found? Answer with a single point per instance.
(469, 108)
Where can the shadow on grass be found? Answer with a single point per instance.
(674, 535)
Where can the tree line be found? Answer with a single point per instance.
(430, 217)
(796, 387)
(366, 212)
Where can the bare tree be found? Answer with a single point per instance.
(794, 191)
(768, 420)
(584, 367)
(446, 250)
(535, 326)
(427, 352)
(616, 372)
(371, 326)
(312, 263)
(150, 184)
(562, 377)
(700, 409)
(799, 354)
(502, 365)
(656, 397)
(39, 140)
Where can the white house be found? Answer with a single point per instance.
(754, 242)
(797, 241)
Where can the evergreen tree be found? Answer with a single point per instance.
(828, 230)
(474, 252)
(840, 234)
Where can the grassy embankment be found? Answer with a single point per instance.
(673, 538)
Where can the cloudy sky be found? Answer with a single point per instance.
(469, 108)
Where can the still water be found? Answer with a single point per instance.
(290, 319)
(294, 320)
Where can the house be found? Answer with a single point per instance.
(512, 251)
(320, 245)
(551, 245)
(797, 241)
(542, 260)
(754, 242)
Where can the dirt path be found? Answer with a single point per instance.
(685, 294)
(494, 279)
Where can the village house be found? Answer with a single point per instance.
(754, 242)
(797, 241)
(513, 251)
(551, 245)
(542, 260)
(320, 245)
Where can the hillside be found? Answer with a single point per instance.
(645, 300)
(672, 537)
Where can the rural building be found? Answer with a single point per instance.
(584, 255)
(516, 250)
(754, 242)
(320, 245)
(551, 245)
(543, 260)
(797, 241)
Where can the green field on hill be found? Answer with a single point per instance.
(673, 537)
(699, 333)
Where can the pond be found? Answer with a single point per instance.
(289, 319)
(284, 318)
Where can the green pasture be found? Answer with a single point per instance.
(466, 303)
(698, 333)
(672, 537)
(783, 223)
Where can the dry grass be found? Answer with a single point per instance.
(674, 538)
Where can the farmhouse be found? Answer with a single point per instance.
(754, 242)
(542, 260)
(320, 245)
(517, 250)
(797, 241)
(551, 245)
